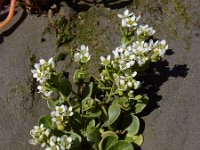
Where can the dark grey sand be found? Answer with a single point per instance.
(172, 119)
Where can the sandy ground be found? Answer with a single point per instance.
(172, 118)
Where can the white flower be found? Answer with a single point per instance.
(77, 57)
(128, 19)
(84, 48)
(120, 82)
(82, 55)
(145, 30)
(85, 57)
(130, 84)
(131, 22)
(44, 90)
(134, 74)
(61, 109)
(160, 48)
(137, 84)
(59, 143)
(43, 70)
(33, 141)
(69, 139)
(59, 116)
(105, 61)
(43, 145)
(116, 54)
(126, 14)
(65, 142)
(47, 132)
(53, 140)
(39, 134)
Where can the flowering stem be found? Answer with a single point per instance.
(104, 110)
(111, 92)
(122, 31)
(10, 15)
(108, 73)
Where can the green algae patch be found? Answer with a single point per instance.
(93, 29)
(182, 11)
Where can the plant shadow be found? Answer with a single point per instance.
(157, 74)
(84, 5)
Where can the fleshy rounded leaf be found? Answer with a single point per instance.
(94, 135)
(63, 85)
(113, 113)
(109, 138)
(109, 133)
(134, 127)
(87, 103)
(123, 102)
(46, 121)
(141, 104)
(136, 139)
(121, 145)
(51, 104)
(87, 91)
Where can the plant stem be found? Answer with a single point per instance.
(104, 110)
(111, 93)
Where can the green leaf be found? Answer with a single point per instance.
(123, 102)
(75, 136)
(87, 91)
(123, 39)
(109, 138)
(136, 139)
(63, 85)
(77, 76)
(94, 135)
(87, 103)
(113, 113)
(107, 142)
(46, 121)
(92, 113)
(121, 145)
(51, 104)
(138, 97)
(134, 127)
(141, 104)
(90, 125)
(109, 133)
(81, 75)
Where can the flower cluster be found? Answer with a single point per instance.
(127, 81)
(59, 143)
(43, 89)
(43, 72)
(40, 135)
(82, 55)
(159, 48)
(145, 31)
(129, 19)
(45, 137)
(125, 57)
(130, 56)
(60, 115)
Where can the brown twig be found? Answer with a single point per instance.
(10, 15)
